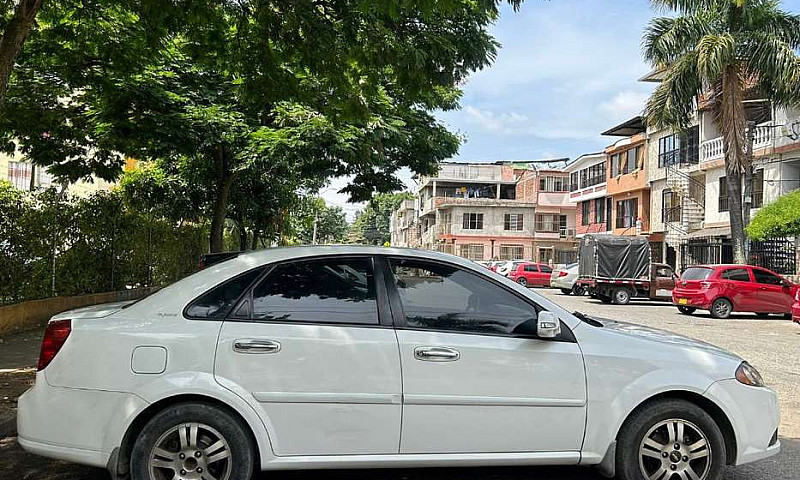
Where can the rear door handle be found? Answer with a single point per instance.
(252, 345)
(436, 354)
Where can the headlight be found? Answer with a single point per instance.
(748, 375)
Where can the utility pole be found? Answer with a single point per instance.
(314, 235)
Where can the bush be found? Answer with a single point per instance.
(89, 245)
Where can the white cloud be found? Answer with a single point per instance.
(625, 104)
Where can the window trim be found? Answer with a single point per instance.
(235, 305)
(399, 317)
(381, 298)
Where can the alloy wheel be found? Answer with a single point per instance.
(721, 309)
(190, 451)
(675, 449)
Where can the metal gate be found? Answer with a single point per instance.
(706, 253)
(776, 254)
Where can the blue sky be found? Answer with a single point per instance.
(567, 71)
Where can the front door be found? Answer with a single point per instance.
(664, 279)
(471, 382)
(773, 295)
(308, 345)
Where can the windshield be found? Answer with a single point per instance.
(696, 273)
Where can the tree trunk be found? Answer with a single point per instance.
(255, 240)
(14, 36)
(222, 192)
(242, 235)
(731, 119)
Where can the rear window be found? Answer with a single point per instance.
(696, 273)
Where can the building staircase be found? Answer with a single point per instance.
(689, 214)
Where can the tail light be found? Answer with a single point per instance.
(705, 285)
(54, 337)
(562, 273)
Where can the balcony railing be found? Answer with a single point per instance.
(714, 149)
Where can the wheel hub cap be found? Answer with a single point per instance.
(675, 449)
(190, 451)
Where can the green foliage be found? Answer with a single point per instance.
(778, 219)
(331, 222)
(100, 244)
(371, 226)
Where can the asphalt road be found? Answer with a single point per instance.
(770, 344)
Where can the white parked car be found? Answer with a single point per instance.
(350, 357)
(566, 279)
(505, 268)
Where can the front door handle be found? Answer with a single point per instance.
(436, 354)
(250, 345)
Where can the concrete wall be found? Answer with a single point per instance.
(35, 313)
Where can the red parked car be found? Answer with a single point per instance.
(796, 308)
(531, 274)
(723, 289)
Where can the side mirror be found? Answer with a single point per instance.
(548, 325)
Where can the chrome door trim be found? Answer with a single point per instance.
(436, 354)
(255, 345)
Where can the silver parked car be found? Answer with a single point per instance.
(565, 279)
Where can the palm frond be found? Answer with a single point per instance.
(714, 54)
(672, 103)
(689, 6)
(776, 66)
(768, 18)
(667, 38)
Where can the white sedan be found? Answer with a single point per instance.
(362, 357)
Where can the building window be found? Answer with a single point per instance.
(631, 160)
(625, 162)
(547, 223)
(680, 148)
(471, 251)
(511, 252)
(627, 212)
(670, 206)
(512, 221)
(599, 210)
(585, 209)
(472, 221)
(723, 194)
(573, 180)
(758, 188)
(614, 165)
(19, 174)
(553, 184)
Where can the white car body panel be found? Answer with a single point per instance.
(87, 398)
(567, 281)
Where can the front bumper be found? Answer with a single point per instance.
(77, 425)
(754, 414)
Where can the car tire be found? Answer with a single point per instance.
(721, 308)
(566, 291)
(187, 436)
(622, 296)
(522, 281)
(646, 442)
(578, 290)
(687, 310)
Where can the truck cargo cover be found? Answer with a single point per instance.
(614, 257)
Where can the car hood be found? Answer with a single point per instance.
(93, 311)
(663, 337)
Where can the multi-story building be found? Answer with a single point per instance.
(689, 190)
(23, 175)
(485, 211)
(587, 190)
(404, 225)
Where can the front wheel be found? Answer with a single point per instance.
(687, 310)
(566, 291)
(193, 440)
(670, 439)
(522, 281)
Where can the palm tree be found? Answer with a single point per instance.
(723, 52)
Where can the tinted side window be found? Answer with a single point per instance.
(545, 269)
(736, 274)
(531, 268)
(216, 302)
(337, 290)
(442, 297)
(762, 276)
(664, 272)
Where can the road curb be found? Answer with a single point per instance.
(8, 425)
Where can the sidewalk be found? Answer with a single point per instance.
(18, 356)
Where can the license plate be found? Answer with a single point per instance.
(683, 301)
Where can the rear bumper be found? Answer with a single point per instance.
(686, 299)
(754, 414)
(77, 425)
(560, 282)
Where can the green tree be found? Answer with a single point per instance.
(778, 219)
(330, 221)
(723, 51)
(303, 90)
(372, 224)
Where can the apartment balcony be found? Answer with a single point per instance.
(766, 135)
(429, 236)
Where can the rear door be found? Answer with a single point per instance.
(543, 279)
(737, 285)
(531, 274)
(309, 345)
(773, 295)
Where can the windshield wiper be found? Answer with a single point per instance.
(586, 319)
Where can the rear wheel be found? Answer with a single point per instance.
(721, 308)
(578, 290)
(670, 439)
(522, 281)
(687, 310)
(622, 296)
(566, 291)
(193, 441)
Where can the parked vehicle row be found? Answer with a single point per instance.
(370, 357)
